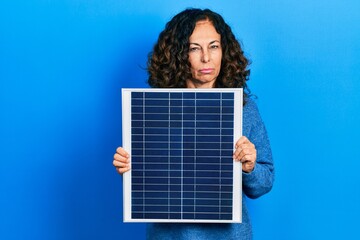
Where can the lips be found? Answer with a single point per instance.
(206, 70)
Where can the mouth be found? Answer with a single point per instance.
(206, 70)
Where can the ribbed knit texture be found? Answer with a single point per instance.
(255, 184)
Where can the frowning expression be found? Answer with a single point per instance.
(205, 55)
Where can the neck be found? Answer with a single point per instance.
(197, 84)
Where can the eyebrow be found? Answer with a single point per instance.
(209, 43)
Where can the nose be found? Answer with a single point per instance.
(205, 56)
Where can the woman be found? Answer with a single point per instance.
(197, 49)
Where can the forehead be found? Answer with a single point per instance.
(204, 29)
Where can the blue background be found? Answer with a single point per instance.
(63, 63)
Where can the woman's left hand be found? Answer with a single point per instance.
(245, 152)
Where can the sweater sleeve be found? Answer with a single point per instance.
(260, 180)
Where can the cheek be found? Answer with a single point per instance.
(193, 65)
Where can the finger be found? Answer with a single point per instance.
(243, 151)
(121, 151)
(248, 166)
(118, 157)
(237, 153)
(122, 170)
(120, 164)
(248, 158)
(241, 141)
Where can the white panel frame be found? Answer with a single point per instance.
(237, 169)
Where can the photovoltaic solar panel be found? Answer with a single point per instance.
(181, 143)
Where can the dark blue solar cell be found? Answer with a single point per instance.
(227, 96)
(208, 95)
(175, 142)
(227, 117)
(177, 102)
(190, 201)
(175, 152)
(137, 152)
(207, 181)
(208, 117)
(188, 153)
(176, 194)
(157, 102)
(156, 166)
(175, 124)
(206, 188)
(154, 145)
(156, 138)
(175, 130)
(137, 109)
(175, 117)
(152, 173)
(136, 144)
(187, 131)
(208, 174)
(206, 103)
(137, 124)
(227, 103)
(189, 104)
(228, 139)
(188, 123)
(209, 167)
(189, 117)
(208, 139)
(188, 145)
(156, 124)
(175, 173)
(156, 117)
(208, 145)
(229, 110)
(206, 131)
(175, 160)
(188, 110)
(201, 124)
(209, 152)
(188, 173)
(156, 110)
(227, 124)
(189, 95)
(207, 209)
(137, 102)
(149, 95)
(227, 152)
(137, 95)
(156, 159)
(226, 131)
(208, 159)
(209, 110)
(137, 116)
(173, 110)
(175, 95)
(157, 131)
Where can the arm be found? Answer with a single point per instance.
(260, 180)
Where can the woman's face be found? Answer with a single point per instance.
(205, 55)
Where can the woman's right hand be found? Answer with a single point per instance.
(121, 160)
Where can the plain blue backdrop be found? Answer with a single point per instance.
(64, 62)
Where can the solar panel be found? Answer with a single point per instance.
(181, 143)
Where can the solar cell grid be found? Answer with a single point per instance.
(181, 155)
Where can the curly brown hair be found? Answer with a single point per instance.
(168, 64)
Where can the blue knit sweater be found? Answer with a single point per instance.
(255, 184)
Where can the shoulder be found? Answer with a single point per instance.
(250, 107)
(252, 120)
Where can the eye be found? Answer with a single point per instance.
(214, 46)
(194, 49)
